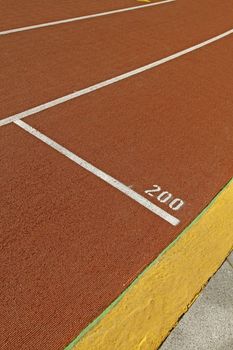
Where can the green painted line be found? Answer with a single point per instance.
(120, 297)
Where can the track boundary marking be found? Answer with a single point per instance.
(81, 18)
(99, 173)
(107, 82)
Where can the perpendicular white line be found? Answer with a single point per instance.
(107, 82)
(99, 173)
(75, 19)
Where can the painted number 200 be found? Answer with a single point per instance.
(165, 197)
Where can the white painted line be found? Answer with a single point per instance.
(116, 79)
(75, 19)
(99, 173)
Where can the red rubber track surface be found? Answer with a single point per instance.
(70, 243)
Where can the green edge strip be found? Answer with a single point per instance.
(120, 297)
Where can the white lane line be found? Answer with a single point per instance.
(75, 19)
(116, 79)
(99, 173)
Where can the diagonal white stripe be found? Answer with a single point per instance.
(99, 173)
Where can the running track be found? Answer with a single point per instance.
(77, 226)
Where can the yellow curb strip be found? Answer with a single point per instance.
(152, 306)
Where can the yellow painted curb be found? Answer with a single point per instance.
(151, 307)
